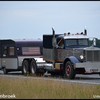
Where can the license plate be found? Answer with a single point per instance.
(94, 70)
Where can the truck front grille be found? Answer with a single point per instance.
(92, 55)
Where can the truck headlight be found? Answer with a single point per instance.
(81, 56)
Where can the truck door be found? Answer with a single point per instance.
(9, 56)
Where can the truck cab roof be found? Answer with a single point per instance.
(73, 36)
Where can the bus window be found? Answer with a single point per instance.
(11, 51)
(8, 51)
(5, 51)
(30, 51)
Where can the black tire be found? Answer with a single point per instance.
(33, 68)
(25, 67)
(69, 70)
(5, 71)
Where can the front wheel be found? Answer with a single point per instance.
(69, 70)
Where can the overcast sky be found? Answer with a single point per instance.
(32, 19)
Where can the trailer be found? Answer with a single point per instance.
(21, 55)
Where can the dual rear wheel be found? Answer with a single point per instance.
(29, 67)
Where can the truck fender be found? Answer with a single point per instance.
(29, 59)
(72, 59)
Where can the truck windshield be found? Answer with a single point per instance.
(76, 42)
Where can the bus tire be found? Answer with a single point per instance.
(5, 71)
(33, 68)
(25, 67)
(69, 70)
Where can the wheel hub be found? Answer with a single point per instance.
(68, 70)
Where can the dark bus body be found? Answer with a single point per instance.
(14, 53)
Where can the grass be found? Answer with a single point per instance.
(31, 88)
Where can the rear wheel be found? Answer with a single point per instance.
(33, 68)
(5, 71)
(69, 70)
(25, 67)
(34, 71)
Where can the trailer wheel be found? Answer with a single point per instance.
(33, 68)
(69, 70)
(25, 66)
(5, 71)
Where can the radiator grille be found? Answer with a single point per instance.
(91, 55)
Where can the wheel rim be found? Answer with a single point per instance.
(68, 70)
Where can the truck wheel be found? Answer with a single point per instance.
(33, 68)
(25, 66)
(69, 70)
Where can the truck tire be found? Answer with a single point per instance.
(33, 68)
(69, 70)
(25, 67)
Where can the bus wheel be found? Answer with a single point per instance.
(25, 66)
(5, 71)
(33, 68)
(69, 70)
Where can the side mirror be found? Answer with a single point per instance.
(94, 41)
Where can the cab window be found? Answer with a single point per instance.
(60, 42)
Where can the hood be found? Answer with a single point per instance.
(92, 48)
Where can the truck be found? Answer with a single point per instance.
(76, 56)
(58, 54)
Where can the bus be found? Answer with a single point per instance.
(21, 55)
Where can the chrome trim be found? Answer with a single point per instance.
(89, 66)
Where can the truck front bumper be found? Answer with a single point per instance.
(90, 67)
